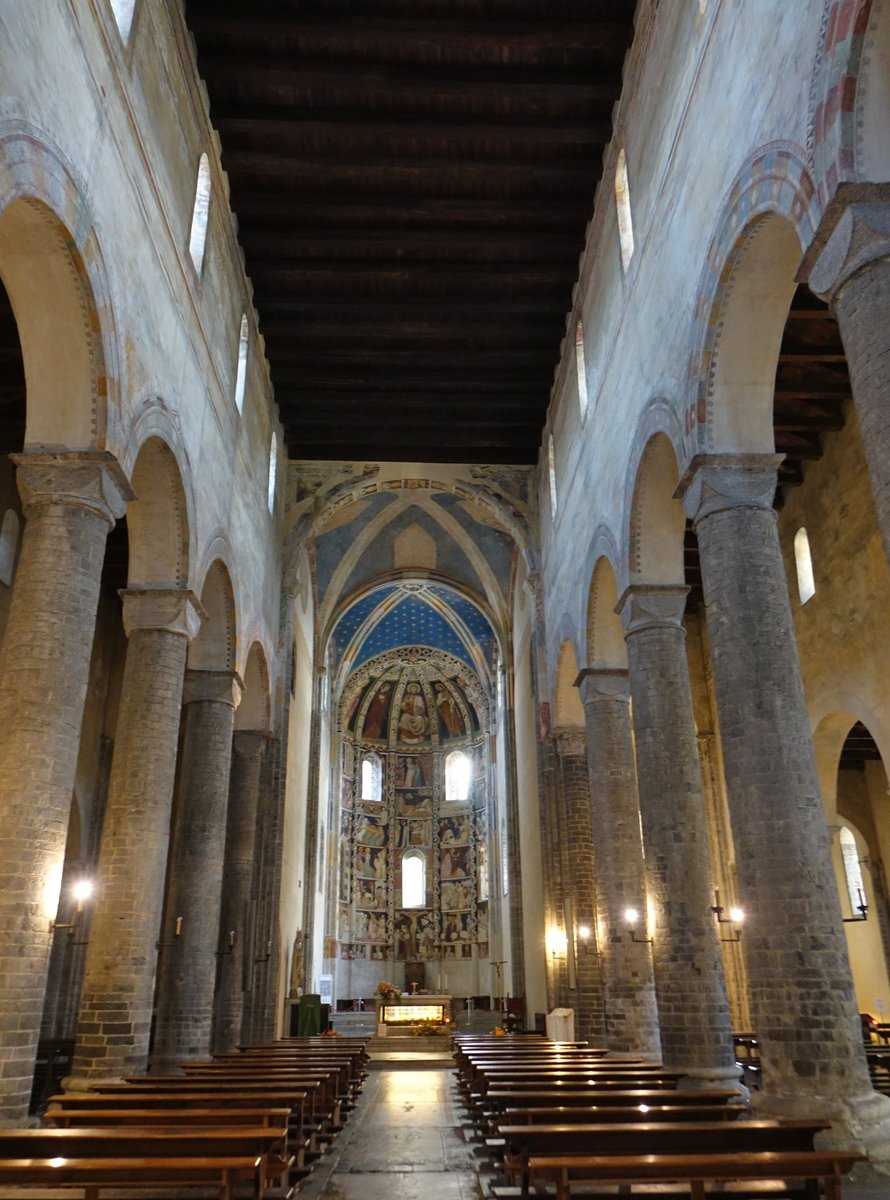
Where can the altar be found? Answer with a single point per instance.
(412, 1010)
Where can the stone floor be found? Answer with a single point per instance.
(405, 1141)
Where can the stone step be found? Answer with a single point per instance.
(409, 1053)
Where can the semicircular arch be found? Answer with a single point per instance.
(54, 273)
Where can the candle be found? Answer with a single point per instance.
(178, 929)
(231, 937)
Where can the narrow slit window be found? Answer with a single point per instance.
(241, 371)
(803, 561)
(123, 11)
(581, 368)
(551, 473)
(9, 544)
(414, 880)
(852, 871)
(457, 776)
(273, 468)
(372, 778)
(622, 204)
(200, 215)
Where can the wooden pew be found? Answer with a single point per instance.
(299, 1102)
(500, 1099)
(587, 1171)
(592, 1114)
(263, 1143)
(523, 1142)
(93, 1174)
(63, 1117)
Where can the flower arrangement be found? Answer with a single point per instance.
(426, 1028)
(388, 992)
(499, 1031)
(330, 1033)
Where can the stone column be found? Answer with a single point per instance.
(802, 998)
(852, 273)
(578, 885)
(689, 983)
(190, 928)
(118, 986)
(70, 501)
(248, 748)
(631, 1016)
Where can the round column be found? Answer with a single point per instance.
(631, 1012)
(689, 983)
(118, 988)
(802, 997)
(70, 501)
(853, 274)
(190, 929)
(579, 888)
(248, 748)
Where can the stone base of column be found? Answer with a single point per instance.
(713, 1079)
(83, 1083)
(857, 1123)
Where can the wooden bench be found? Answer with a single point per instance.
(298, 1102)
(500, 1098)
(523, 1142)
(93, 1174)
(263, 1142)
(592, 1114)
(63, 1117)
(586, 1171)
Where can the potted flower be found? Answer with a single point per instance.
(388, 993)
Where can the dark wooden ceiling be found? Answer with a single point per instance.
(812, 391)
(412, 180)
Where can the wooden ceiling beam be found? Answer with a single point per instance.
(457, 178)
(382, 217)
(245, 126)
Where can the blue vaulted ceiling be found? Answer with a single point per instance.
(413, 614)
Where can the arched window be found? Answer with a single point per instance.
(580, 368)
(372, 777)
(622, 204)
(241, 372)
(123, 17)
(457, 776)
(200, 214)
(414, 880)
(803, 561)
(852, 872)
(551, 474)
(273, 467)
(9, 544)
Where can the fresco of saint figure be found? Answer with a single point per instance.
(378, 710)
(413, 721)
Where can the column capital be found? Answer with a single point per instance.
(570, 743)
(859, 237)
(652, 606)
(713, 483)
(219, 687)
(603, 683)
(250, 743)
(90, 479)
(172, 610)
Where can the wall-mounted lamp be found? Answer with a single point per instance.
(585, 939)
(631, 917)
(861, 908)
(80, 892)
(735, 918)
(267, 955)
(557, 943)
(177, 933)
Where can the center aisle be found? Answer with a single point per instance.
(402, 1142)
